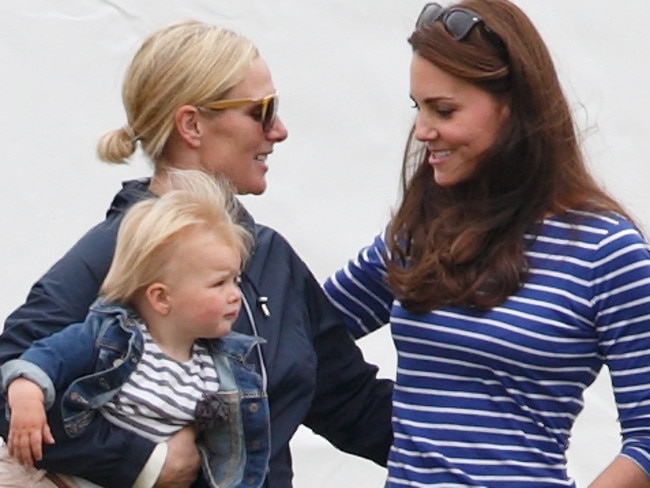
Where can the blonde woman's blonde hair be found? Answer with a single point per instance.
(150, 229)
(188, 63)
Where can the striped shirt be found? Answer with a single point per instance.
(488, 398)
(160, 395)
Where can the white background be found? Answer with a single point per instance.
(341, 67)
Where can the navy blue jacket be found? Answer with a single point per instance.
(316, 374)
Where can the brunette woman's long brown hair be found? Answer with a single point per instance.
(463, 245)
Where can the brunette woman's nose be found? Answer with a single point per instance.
(424, 130)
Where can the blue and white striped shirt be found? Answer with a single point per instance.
(488, 398)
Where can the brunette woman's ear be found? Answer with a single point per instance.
(188, 125)
(158, 297)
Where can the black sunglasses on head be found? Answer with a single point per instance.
(458, 21)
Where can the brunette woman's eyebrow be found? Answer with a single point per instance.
(430, 101)
(434, 99)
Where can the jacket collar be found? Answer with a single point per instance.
(236, 344)
(126, 316)
(233, 344)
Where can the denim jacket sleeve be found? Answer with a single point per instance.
(54, 362)
(104, 454)
(19, 368)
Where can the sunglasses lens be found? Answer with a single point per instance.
(429, 15)
(270, 112)
(459, 23)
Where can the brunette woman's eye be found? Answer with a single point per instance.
(445, 113)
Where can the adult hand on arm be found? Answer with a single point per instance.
(28, 428)
(622, 473)
(182, 462)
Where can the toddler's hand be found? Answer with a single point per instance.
(28, 428)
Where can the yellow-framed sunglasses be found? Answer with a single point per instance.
(268, 108)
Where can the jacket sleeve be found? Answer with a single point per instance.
(351, 406)
(19, 368)
(55, 361)
(104, 454)
(63, 295)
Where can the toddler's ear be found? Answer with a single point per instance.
(158, 297)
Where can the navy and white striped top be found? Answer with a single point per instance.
(488, 398)
(160, 395)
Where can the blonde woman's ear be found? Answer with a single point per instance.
(188, 126)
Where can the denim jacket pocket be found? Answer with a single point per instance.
(222, 447)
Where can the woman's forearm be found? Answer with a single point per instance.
(622, 473)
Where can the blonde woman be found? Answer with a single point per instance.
(201, 97)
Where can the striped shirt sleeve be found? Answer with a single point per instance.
(360, 292)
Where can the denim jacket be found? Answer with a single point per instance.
(90, 362)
